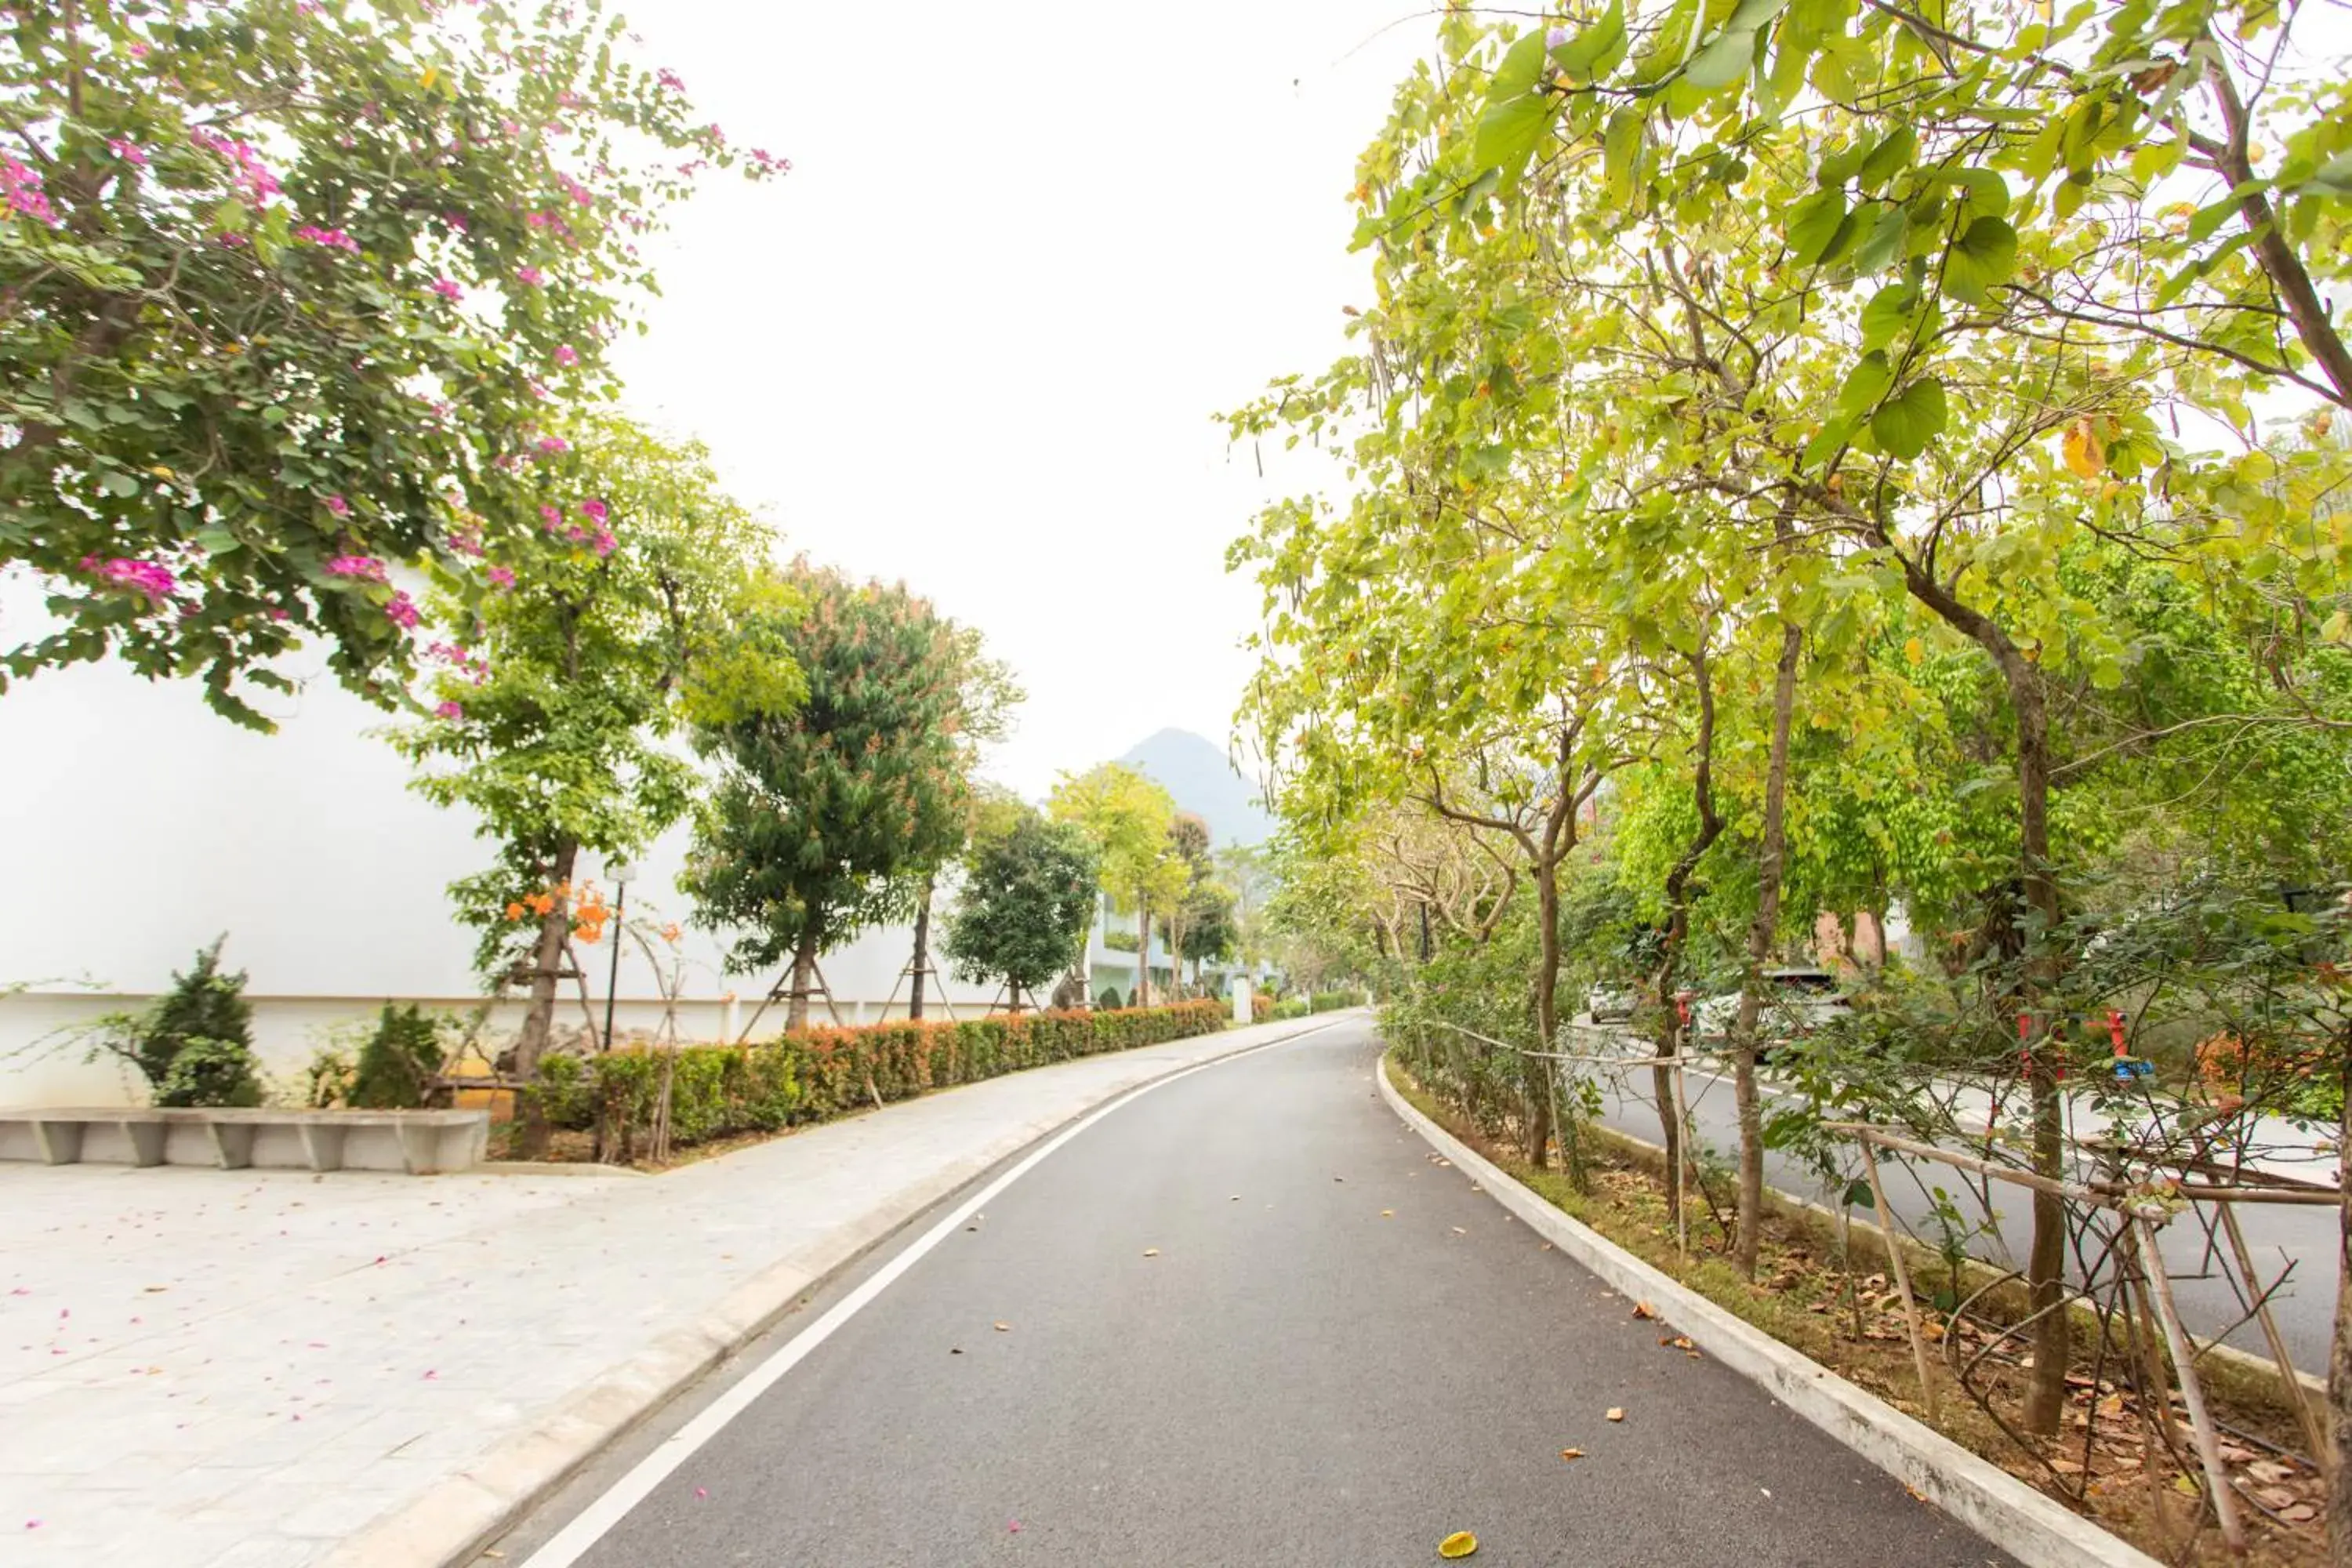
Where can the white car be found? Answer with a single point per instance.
(1796, 1003)
(1609, 1003)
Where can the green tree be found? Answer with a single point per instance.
(1028, 896)
(285, 286)
(1126, 817)
(195, 1045)
(648, 607)
(988, 694)
(824, 818)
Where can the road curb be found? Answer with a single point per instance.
(2032, 1528)
(448, 1525)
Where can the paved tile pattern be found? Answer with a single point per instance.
(209, 1368)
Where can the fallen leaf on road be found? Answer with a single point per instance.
(1234, 1199)
(1388, 1214)
(1004, 1328)
(1012, 1525)
(1150, 1252)
(1572, 1453)
(955, 1350)
(1643, 1309)
(701, 1493)
(1461, 1543)
(1680, 1342)
(1459, 1231)
(1616, 1413)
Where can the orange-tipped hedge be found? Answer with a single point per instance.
(824, 1073)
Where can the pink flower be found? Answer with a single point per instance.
(771, 163)
(332, 239)
(578, 192)
(456, 221)
(566, 355)
(147, 577)
(402, 611)
(449, 711)
(539, 220)
(605, 542)
(365, 568)
(594, 511)
(448, 288)
(577, 535)
(21, 193)
(129, 151)
(338, 506)
(531, 275)
(670, 79)
(138, 51)
(549, 518)
(502, 575)
(554, 444)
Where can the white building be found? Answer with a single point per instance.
(136, 825)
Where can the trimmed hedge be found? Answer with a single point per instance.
(1331, 1001)
(814, 1076)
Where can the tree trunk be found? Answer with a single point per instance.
(1710, 826)
(1540, 1129)
(2046, 1262)
(922, 950)
(1771, 855)
(2339, 1348)
(1142, 996)
(547, 966)
(796, 1010)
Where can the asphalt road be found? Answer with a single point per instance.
(2278, 1235)
(1246, 1319)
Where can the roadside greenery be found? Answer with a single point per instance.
(1817, 465)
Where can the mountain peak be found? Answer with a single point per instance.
(1204, 782)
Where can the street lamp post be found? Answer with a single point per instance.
(620, 874)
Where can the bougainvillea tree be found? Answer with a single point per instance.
(647, 605)
(288, 285)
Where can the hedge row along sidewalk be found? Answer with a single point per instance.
(653, 1100)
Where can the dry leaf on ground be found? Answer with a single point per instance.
(1004, 1328)
(1572, 1453)
(1150, 1252)
(1616, 1413)
(1643, 1309)
(1461, 1543)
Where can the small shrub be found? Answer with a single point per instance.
(206, 1071)
(1292, 1008)
(396, 1067)
(1331, 1000)
(1110, 997)
(1261, 1006)
(204, 1018)
(327, 1077)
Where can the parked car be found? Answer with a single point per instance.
(1797, 1001)
(1607, 1004)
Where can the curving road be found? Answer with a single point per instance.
(1244, 1319)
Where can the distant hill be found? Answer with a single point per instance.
(1204, 783)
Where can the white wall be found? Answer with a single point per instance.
(136, 825)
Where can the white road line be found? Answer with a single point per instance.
(593, 1522)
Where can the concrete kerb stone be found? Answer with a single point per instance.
(2032, 1528)
(448, 1525)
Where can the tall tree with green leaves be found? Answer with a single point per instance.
(645, 603)
(1127, 818)
(285, 286)
(1028, 895)
(824, 819)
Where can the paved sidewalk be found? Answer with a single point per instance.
(210, 1369)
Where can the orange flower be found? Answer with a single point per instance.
(514, 911)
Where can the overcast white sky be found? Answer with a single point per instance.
(974, 340)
